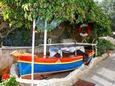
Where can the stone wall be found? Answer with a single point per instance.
(6, 59)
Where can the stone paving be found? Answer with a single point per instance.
(102, 74)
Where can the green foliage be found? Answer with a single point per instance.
(108, 7)
(103, 46)
(13, 13)
(74, 11)
(10, 82)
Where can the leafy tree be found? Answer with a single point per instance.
(108, 7)
(20, 13)
(11, 18)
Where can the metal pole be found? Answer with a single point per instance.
(45, 39)
(96, 48)
(69, 44)
(33, 47)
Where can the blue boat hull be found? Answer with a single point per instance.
(25, 68)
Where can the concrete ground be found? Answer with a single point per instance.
(102, 74)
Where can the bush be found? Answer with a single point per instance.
(103, 46)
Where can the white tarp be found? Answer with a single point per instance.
(54, 50)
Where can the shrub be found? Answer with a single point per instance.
(103, 46)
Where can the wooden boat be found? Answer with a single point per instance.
(47, 65)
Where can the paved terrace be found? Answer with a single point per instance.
(102, 74)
